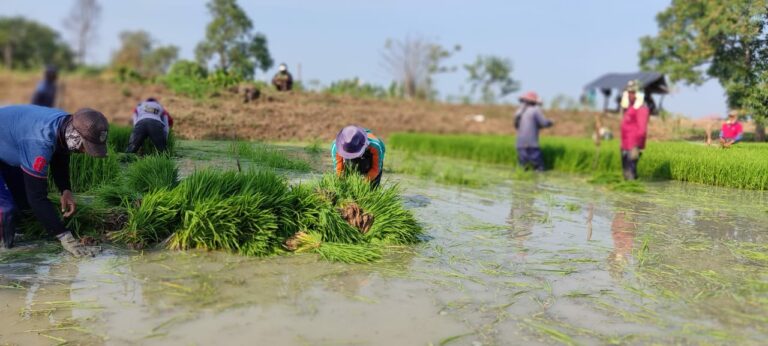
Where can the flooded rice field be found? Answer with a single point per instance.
(547, 260)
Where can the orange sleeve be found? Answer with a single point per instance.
(339, 165)
(375, 169)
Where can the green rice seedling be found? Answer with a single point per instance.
(87, 172)
(151, 173)
(267, 155)
(740, 167)
(349, 253)
(153, 220)
(116, 195)
(337, 252)
(393, 224)
(118, 137)
(315, 147)
(228, 224)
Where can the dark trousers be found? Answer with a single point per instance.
(530, 157)
(629, 166)
(151, 128)
(376, 181)
(12, 195)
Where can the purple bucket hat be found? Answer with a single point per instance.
(351, 142)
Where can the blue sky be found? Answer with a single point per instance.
(557, 46)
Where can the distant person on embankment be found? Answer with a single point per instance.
(150, 119)
(283, 80)
(33, 138)
(634, 129)
(45, 93)
(358, 150)
(528, 121)
(731, 131)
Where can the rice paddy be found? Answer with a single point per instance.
(741, 166)
(292, 257)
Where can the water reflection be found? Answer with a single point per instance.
(623, 229)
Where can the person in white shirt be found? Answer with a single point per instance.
(150, 119)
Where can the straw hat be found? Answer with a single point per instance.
(531, 97)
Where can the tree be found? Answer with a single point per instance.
(492, 76)
(138, 53)
(413, 62)
(83, 21)
(229, 39)
(26, 44)
(725, 40)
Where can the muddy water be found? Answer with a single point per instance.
(549, 260)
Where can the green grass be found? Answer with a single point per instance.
(742, 166)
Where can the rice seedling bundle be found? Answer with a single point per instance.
(254, 213)
(87, 172)
(742, 166)
(151, 173)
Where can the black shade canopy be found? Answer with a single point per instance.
(651, 82)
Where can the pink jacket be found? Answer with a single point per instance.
(634, 127)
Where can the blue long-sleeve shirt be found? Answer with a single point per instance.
(45, 94)
(528, 121)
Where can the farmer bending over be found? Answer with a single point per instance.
(357, 149)
(528, 121)
(45, 94)
(634, 129)
(32, 138)
(151, 120)
(731, 131)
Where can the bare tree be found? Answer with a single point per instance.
(413, 62)
(82, 23)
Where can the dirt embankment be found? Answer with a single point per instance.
(300, 116)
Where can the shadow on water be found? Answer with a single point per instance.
(539, 261)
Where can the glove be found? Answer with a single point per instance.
(634, 153)
(75, 248)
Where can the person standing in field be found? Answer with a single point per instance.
(32, 140)
(151, 120)
(528, 121)
(283, 80)
(731, 131)
(634, 129)
(357, 149)
(45, 94)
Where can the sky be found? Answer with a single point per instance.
(556, 46)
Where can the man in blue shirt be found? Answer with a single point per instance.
(32, 139)
(45, 94)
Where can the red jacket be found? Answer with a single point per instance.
(634, 128)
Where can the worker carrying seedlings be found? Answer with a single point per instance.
(731, 131)
(32, 139)
(358, 150)
(528, 121)
(45, 94)
(634, 129)
(150, 119)
(283, 80)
